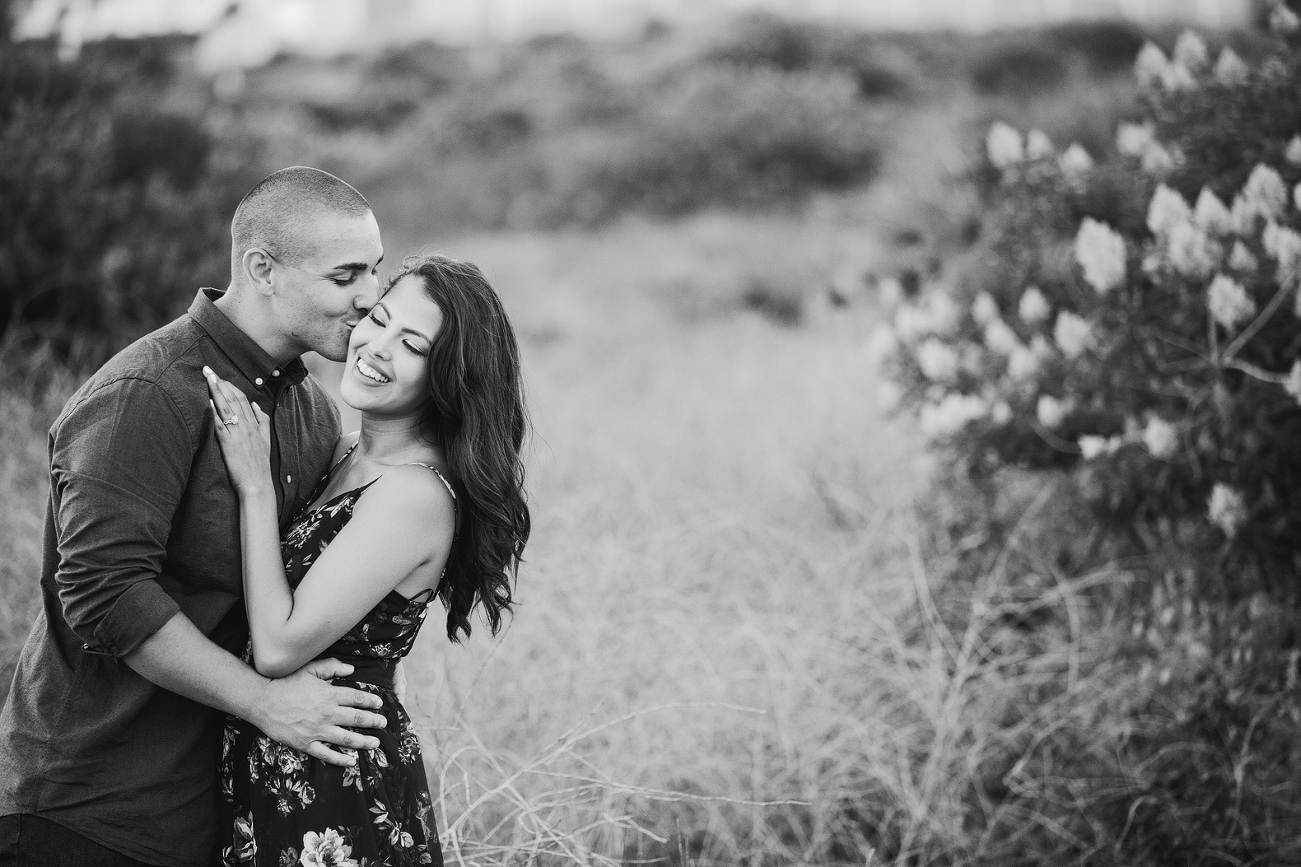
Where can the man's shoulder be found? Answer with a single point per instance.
(158, 363)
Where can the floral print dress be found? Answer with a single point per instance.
(282, 807)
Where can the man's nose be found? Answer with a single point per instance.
(368, 294)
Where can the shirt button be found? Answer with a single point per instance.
(275, 373)
(289, 480)
(257, 381)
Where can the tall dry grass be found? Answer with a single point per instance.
(34, 383)
(731, 646)
(727, 648)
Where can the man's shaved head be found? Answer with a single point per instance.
(278, 214)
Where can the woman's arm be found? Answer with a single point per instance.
(403, 524)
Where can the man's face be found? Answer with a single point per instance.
(318, 300)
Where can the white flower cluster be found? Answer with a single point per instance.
(1283, 20)
(1264, 196)
(1073, 334)
(1229, 303)
(1006, 148)
(1167, 210)
(1138, 140)
(1161, 438)
(1227, 509)
(1033, 308)
(1051, 411)
(1293, 383)
(1092, 446)
(1190, 60)
(1000, 338)
(1100, 250)
(1284, 246)
(951, 414)
(937, 313)
(984, 309)
(1158, 436)
(1075, 163)
(938, 360)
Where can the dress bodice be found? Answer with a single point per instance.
(389, 629)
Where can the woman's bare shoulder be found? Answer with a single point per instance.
(412, 490)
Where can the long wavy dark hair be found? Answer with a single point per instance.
(477, 417)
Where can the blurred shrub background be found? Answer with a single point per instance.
(763, 622)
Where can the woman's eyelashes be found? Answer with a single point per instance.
(375, 317)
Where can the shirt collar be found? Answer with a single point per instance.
(251, 359)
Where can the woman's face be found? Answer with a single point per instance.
(388, 353)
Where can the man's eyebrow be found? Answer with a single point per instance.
(358, 266)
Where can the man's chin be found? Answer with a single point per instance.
(333, 352)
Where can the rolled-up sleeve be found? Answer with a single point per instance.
(120, 461)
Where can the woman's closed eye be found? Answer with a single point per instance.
(375, 316)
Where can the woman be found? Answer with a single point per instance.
(425, 500)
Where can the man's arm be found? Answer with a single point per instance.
(120, 462)
(302, 710)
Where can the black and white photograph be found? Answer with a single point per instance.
(619, 433)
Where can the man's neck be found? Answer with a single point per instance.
(246, 315)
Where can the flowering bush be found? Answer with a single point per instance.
(1134, 317)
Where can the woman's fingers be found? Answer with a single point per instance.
(231, 404)
(218, 397)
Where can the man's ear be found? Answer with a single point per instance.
(259, 270)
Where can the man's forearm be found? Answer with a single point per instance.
(304, 710)
(180, 658)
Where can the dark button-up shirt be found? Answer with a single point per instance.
(142, 524)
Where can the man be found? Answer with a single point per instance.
(110, 738)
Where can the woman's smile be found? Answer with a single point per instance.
(370, 372)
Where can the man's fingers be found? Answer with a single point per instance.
(349, 697)
(357, 718)
(336, 736)
(320, 751)
(328, 669)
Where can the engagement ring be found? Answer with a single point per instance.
(230, 421)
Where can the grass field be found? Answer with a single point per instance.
(726, 649)
(720, 511)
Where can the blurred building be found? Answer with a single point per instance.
(245, 33)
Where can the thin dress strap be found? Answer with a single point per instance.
(441, 477)
(324, 481)
(456, 507)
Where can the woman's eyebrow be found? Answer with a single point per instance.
(406, 329)
(419, 334)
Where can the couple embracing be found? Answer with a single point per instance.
(228, 584)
